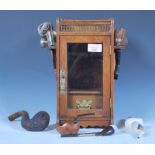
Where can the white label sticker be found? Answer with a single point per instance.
(94, 47)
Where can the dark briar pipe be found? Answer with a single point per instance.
(107, 131)
(38, 122)
(117, 60)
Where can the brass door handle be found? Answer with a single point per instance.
(62, 81)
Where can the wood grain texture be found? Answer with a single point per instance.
(91, 123)
(104, 113)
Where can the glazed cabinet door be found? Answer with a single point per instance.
(84, 76)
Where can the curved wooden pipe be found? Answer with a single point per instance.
(121, 42)
(38, 122)
(73, 127)
(68, 128)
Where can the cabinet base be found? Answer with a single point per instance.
(89, 123)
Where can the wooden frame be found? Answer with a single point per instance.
(101, 30)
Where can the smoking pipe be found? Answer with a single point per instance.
(121, 42)
(117, 60)
(48, 39)
(37, 123)
(107, 131)
(71, 128)
(68, 129)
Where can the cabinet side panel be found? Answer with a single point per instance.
(112, 73)
(57, 66)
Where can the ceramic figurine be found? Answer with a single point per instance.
(132, 125)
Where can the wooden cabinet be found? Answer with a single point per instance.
(86, 56)
(85, 62)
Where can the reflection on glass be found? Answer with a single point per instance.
(84, 67)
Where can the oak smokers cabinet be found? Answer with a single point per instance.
(84, 58)
(85, 67)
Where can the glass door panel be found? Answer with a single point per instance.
(85, 75)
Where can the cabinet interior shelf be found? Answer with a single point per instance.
(83, 92)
